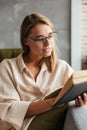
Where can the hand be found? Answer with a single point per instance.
(80, 101)
(39, 107)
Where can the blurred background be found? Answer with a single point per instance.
(68, 16)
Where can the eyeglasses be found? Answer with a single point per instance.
(43, 39)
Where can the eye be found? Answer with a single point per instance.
(39, 39)
(50, 36)
(43, 39)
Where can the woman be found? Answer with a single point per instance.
(27, 79)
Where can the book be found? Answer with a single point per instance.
(76, 85)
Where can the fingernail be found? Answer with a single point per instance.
(79, 96)
(84, 93)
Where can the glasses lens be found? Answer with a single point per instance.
(40, 39)
(43, 39)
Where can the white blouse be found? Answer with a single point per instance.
(18, 89)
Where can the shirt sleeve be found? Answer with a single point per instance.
(12, 109)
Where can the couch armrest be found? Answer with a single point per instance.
(76, 118)
(9, 53)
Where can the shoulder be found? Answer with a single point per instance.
(63, 66)
(63, 63)
(8, 63)
(6, 66)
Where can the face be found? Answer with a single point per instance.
(40, 41)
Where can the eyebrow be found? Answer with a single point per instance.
(43, 35)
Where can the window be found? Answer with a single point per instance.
(75, 35)
(83, 33)
(79, 34)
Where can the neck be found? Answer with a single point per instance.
(34, 60)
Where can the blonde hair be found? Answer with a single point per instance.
(28, 23)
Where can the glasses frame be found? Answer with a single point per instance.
(43, 39)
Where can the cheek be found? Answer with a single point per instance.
(39, 47)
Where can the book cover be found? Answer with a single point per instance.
(76, 85)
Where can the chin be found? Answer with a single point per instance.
(47, 55)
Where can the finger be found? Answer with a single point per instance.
(61, 105)
(80, 101)
(85, 98)
(77, 103)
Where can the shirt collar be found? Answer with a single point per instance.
(44, 67)
(22, 66)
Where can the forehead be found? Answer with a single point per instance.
(41, 29)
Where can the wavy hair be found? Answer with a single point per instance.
(28, 23)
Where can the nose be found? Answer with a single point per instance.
(47, 42)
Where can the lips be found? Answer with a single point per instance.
(47, 50)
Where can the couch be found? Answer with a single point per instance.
(74, 118)
(9, 53)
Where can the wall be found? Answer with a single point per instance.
(12, 13)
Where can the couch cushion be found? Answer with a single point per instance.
(51, 120)
(9, 53)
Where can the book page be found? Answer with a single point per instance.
(80, 74)
(80, 80)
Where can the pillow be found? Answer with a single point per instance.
(51, 120)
